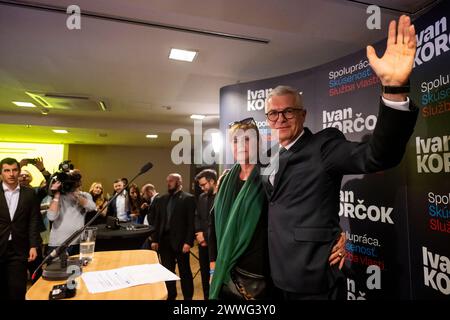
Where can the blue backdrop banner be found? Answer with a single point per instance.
(397, 222)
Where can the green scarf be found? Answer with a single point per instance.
(235, 222)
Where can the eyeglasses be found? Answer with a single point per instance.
(241, 122)
(287, 113)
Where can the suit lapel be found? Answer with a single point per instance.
(284, 158)
(3, 206)
(177, 202)
(301, 142)
(164, 203)
(282, 166)
(20, 203)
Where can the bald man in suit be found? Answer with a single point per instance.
(174, 234)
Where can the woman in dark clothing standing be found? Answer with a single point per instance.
(239, 225)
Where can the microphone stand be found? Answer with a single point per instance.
(58, 271)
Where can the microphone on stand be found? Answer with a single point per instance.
(144, 169)
(60, 272)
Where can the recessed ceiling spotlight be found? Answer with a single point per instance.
(60, 131)
(182, 55)
(24, 104)
(197, 116)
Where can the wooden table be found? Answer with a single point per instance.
(104, 261)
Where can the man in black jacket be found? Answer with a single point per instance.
(19, 231)
(174, 234)
(150, 198)
(304, 192)
(207, 180)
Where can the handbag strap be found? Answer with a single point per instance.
(241, 288)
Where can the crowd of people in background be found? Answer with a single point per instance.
(59, 207)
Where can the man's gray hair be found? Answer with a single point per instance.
(285, 90)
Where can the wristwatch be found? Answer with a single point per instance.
(396, 89)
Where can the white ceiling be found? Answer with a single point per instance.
(127, 65)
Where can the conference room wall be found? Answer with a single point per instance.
(108, 163)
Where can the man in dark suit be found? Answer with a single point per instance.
(174, 235)
(304, 191)
(19, 231)
(207, 180)
(150, 198)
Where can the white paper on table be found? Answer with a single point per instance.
(115, 279)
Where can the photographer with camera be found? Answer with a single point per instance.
(67, 208)
(39, 164)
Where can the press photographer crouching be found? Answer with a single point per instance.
(67, 208)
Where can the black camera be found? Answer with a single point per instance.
(69, 181)
(30, 161)
(66, 166)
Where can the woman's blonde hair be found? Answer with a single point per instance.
(244, 125)
(91, 189)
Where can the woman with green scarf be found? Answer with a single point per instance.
(239, 223)
(238, 246)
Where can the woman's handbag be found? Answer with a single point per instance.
(247, 285)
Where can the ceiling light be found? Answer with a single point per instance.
(182, 55)
(24, 104)
(198, 117)
(60, 131)
(152, 136)
(102, 105)
(42, 104)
